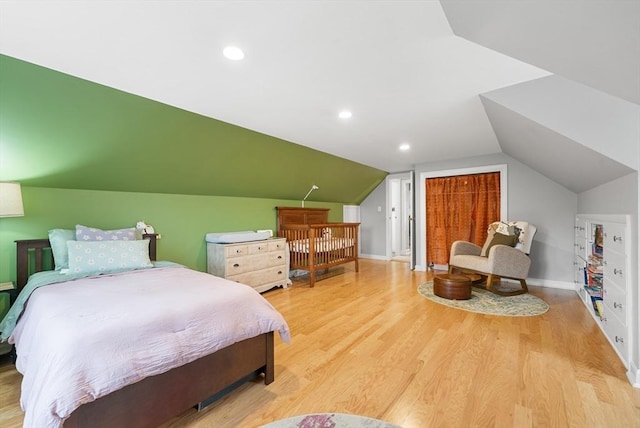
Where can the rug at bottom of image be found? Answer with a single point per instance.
(486, 302)
(329, 420)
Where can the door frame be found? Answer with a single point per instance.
(420, 247)
(409, 175)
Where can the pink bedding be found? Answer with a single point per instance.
(80, 340)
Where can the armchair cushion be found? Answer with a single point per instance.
(464, 247)
(500, 239)
(521, 229)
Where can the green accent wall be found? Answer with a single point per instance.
(182, 220)
(59, 131)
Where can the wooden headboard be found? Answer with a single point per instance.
(34, 255)
(297, 216)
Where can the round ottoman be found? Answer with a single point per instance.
(452, 286)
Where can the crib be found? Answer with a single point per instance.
(314, 243)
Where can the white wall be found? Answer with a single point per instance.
(531, 196)
(373, 232)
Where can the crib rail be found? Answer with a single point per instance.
(320, 246)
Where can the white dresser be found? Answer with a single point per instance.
(260, 264)
(602, 276)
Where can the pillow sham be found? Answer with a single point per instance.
(108, 256)
(500, 239)
(58, 239)
(84, 233)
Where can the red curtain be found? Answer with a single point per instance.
(459, 208)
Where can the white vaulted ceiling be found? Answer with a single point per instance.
(408, 71)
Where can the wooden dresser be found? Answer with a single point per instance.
(260, 264)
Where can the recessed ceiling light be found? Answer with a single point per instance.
(233, 53)
(345, 114)
(404, 147)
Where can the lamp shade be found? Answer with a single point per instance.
(11, 200)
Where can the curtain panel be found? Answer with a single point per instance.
(459, 208)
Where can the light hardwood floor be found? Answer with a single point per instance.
(367, 343)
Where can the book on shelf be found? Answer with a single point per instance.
(595, 262)
(598, 307)
(595, 292)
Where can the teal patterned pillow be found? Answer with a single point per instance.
(58, 239)
(84, 233)
(108, 256)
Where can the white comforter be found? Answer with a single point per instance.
(80, 340)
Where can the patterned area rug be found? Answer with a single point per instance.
(486, 302)
(330, 420)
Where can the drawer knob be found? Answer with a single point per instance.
(279, 257)
(236, 265)
(617, 238)
(238, 251)
(279, 272)
(619, 339)
(617, 305)
(617, 271)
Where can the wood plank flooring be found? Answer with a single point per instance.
(367, 343)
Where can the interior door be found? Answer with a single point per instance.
(411, 215)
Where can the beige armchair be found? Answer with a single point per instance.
(505, 254)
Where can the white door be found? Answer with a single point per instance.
(400, 215)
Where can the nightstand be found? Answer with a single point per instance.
(7, 297)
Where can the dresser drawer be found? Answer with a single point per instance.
(276, 258)
(614, 268)
(264, 276)
(616, 301)
(235, 250)
(614, 238)
(617, 334)
(236, 265)
(278, 245)
(258, 247)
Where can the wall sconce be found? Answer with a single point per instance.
(314, 187)
(11, 200)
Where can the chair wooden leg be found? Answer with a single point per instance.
(450, 269)
(523, 290)
(489, 284)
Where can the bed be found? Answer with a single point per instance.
(191, 364)
(314, 243)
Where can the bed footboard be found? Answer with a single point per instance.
(320, 246)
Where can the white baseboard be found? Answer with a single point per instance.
(634, 375)
(373, 256)
(550, 283)
(538, 282)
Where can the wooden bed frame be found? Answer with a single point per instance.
(156, 399)
(302, 224)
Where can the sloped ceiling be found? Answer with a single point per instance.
(395, 64)
(593, 42)
(580, 127)
(410, 71)
(63, 132)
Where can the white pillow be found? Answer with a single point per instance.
(108, 256)
(84, 233)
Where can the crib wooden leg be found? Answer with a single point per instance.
(312, 278)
